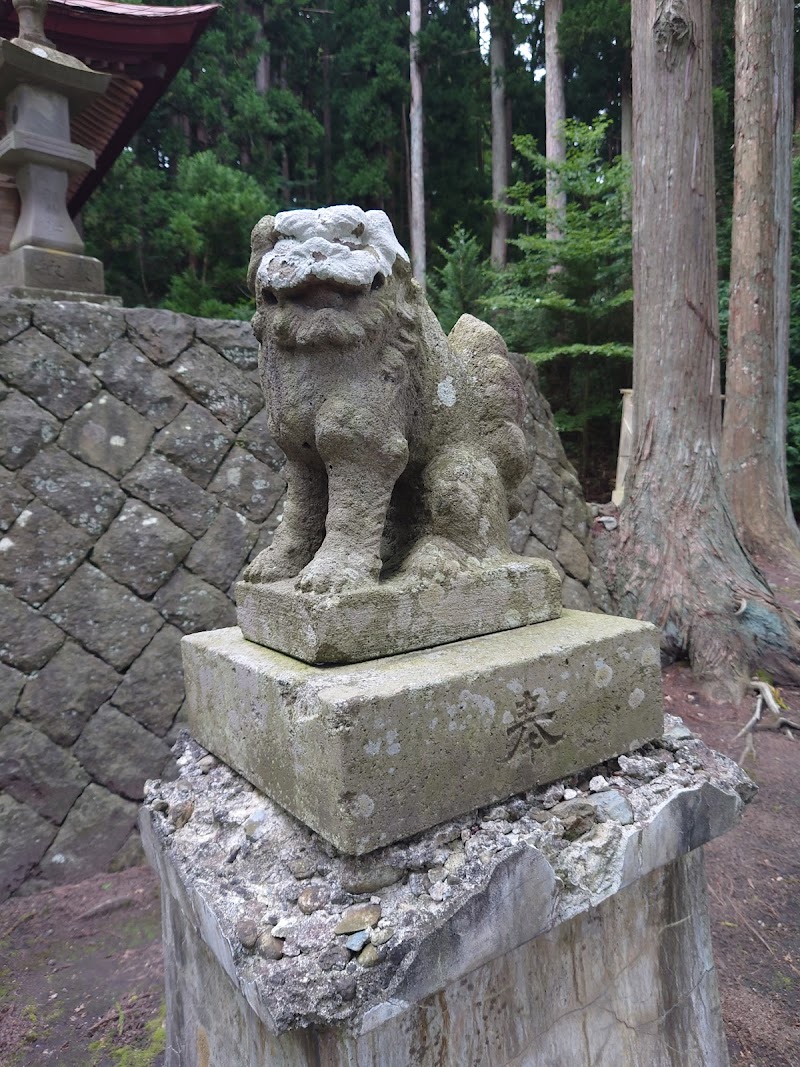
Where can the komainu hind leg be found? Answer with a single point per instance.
(466, 501)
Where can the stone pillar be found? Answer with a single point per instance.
(541, 931)
(41, 88)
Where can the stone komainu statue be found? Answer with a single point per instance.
(403, 446)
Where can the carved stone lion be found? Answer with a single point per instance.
(403, 446)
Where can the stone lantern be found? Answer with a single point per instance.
(42, 88)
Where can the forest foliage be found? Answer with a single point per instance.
(287, 105)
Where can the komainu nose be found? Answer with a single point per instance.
(322, 296)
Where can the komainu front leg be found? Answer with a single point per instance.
(350, 555)
(302, 528)
(363, 463)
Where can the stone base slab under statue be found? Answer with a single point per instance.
(371, 752)
(538, 933)
(401, 614)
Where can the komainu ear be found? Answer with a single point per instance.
(262, 240)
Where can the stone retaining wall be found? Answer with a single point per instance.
(137, 478)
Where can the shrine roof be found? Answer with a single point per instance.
(142, 46)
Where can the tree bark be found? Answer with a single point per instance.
(501, 130)
(555, 106)
(754, 428)
(416, 123)
(327, 127)
(677, 560)
(626, 108)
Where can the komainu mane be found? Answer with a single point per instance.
(403, 446)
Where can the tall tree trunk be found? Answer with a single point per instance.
(754, 429)
(555, 107)
(416, 123)
(327, 127)
(626, 108)
(677, 560)
(499, 14)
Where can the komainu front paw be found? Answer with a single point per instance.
(335, 572)
(272, 565)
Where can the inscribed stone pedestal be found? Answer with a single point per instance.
(370, 753)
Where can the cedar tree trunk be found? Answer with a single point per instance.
(501, 133)
(555, 108)
(626, 108)
(754, 429)
(677, 560)
(417, 167)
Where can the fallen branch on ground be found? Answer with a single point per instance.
(774, 720)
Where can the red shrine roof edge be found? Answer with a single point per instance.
(142, 46)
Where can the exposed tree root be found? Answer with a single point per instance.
(688, 573)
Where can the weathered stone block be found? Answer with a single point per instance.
(95, 829)
(536, 550)
(27, 639)
(38, 273)
(13, 498)
(44, 371)
(384, 749)
(493, 939)
(152, 690)
(119, 753)
(39, 552)
(545, 478)
(575, 595)
(104, 616)
(131, 854)
(546, 521)
(576, 514)
(133, 379)
(24, 837)
(548, 444)
(163, 486)
(233, 340)
(37, 772)
(248, 485)
(192, 604)
(66, 692)
(24, 429)
(11, 683)
(572, 557)
(15, 317)
(268, 528)
(398, 614)
(256, 438)
(107, 434)
(85, 330)
(141, 548)
(219, 386)
(196, 442)
(220, 554)
(161, 335)
(83, 495)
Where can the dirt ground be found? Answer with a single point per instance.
(81, 967)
